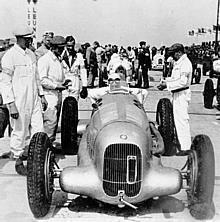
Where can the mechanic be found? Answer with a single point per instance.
(92, 63)
(52, 78)
(74, 70)
(144, 62)
(43, 49)
(101, 60)
(21, 91)
(178, 84)
(116, 82)
(131, 56)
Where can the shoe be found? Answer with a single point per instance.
(23, 157)
(7, 155)
(56, 149)
(182, 152)
(90, 87)
(20, 168)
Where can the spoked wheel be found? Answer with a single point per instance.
(40, 174)
(49, 167)
(166, 126)
(201, 178)
(69, 122)
(192, 169)
(197, 75)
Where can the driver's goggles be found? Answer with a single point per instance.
(117, 80)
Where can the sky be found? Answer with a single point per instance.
(121, 22)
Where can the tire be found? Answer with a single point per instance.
(218, 91)
(200, 196)
(39, 183)
(211, 73)
(4, 120)
(208, 94)
(166, 127)
(197, 75)
(204, 69)
(69, 122)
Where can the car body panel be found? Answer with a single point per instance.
(115, 159)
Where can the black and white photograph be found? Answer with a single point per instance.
(109, 110)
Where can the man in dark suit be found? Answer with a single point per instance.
(74, 70)
(144, 62)
(92, 63)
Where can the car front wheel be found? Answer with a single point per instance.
(40, 165)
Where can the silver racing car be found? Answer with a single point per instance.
(119, 158)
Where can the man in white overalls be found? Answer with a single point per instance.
(178, 84)
(23, 94)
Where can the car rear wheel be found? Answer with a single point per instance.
(69, 122)
(197, 75)
(218, 91)
(40, 165)
(211, 73)
(204, 69)
(4, 120)
(166, 126)
(201, 165)
(208, 94)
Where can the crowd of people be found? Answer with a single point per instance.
(33, 82)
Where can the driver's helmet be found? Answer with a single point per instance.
(121, 71)
(116, 83)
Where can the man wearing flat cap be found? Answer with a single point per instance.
(144, 62)
(178, 84)
(75, 71)
(22, 92)
(43, 49)
(52, 78)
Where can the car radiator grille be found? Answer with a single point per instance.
(122, 169)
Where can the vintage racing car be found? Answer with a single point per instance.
(158, 62)
(119, 158)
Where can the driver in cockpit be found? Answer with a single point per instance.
(116, 83)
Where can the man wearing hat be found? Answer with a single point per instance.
(52, 78)
(45, 46)
(178, 84)
(74, 68)
(22, 93)
(144, 62)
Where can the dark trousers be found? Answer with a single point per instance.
(93, 72)
(144, 74)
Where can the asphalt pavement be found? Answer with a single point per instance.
(68, 207)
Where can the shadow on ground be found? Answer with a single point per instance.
(165, 205)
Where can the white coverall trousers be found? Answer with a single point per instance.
(52, 113)
(180, 102)
(30, 121)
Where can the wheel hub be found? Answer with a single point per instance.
(49, 173)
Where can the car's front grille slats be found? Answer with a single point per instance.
(119, 173)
